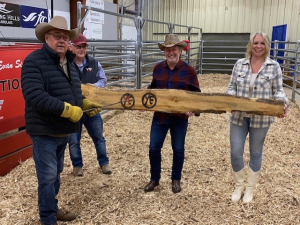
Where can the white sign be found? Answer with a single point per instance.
(93, 16)
(92, 31)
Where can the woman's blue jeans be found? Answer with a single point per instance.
(238, 136)
(178, 128)
(48, 155)
(94, 126)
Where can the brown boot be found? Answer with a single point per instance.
(65, 216)
(176, 186)
(150, 186)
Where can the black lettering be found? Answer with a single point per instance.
(3, 84)
(9, 85)
(15, 84)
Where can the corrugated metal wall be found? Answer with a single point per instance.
(223, 16)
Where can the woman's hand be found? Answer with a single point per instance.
(284, 112)
(189, 114)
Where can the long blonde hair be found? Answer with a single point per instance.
(267, 44)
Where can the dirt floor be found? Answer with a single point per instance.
(206, 179)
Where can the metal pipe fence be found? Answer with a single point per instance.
(131, 61)
(290, 64)
(221, 55)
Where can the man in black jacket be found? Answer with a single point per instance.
(53, 106)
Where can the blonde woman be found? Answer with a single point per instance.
(256, 76)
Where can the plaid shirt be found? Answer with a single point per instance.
(183, 77)
(268, 85)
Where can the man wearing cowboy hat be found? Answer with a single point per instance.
(53, 106)
(171, 73)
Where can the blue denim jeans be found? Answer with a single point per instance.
(178, 129)
(48, 155)
(94, 126)
(238, 136)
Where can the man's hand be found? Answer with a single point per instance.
(90, 105)
(189, 114)
(73, 113)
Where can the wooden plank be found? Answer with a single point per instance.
(14, 142)
(11, 161)
(179, 101)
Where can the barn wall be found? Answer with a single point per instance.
(224, 16)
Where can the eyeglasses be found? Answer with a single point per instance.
(58, 36)
(80, 46)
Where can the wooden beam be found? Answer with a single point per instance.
(179, 101)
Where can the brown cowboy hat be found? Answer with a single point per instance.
(170, 41)
(57, 22)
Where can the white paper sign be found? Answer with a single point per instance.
(92, 30)
(93, 16)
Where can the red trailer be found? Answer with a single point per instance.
(15, 144)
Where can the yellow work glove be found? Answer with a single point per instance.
(87, 104)
(73, 113)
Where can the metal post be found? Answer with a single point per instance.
(139, 55)
(296, 72)
(171, 28)
(139, 46)
(275, 49)
(189, 38)
(201, 54)
(79, 16)
(121, 20)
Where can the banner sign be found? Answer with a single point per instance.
(9, 15)
(12, 103)
(32, 16)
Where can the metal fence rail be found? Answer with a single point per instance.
(221, 55)
(131, 61)
(290, 64)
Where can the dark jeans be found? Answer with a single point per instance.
(94, 126)
(48, 155)
(178, 128)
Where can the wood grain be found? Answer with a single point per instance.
(180, 101)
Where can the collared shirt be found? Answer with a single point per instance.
(64, 66)
(183, 77)
(267, 85)
(100, 75)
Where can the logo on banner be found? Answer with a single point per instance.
(2, 8)
(9, 15)
(32, 16)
